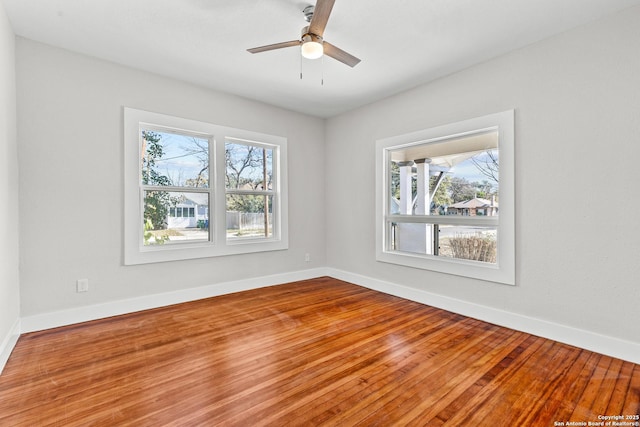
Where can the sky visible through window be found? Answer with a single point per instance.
(245, 164)
(471, 171)
(185, 159)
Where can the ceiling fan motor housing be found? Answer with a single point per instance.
(308, 12)
(309, 37)
(311, 45)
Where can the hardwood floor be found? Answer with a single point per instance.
(311, 353)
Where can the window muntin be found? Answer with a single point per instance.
(445, 199)
(179, 167)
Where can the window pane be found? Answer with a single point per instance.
(456, 177)
(161, 227)
(248, 167)
(246, 216)
(412, 238)
(451, 241)
(174, 159)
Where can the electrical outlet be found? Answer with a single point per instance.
(307, 258)
(82, 285)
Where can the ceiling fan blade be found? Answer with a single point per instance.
(274, 46)
(340, 55)
(320, 16)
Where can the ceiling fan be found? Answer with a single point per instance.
(311, 43)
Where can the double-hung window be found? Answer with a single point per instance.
(195, 189)
(445, 199)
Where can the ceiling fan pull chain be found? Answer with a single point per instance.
(322, 71)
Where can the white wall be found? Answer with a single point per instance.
(577, 102)
(577, 131)
(70, 131)
(9, 217)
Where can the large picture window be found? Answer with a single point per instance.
(194, 189)
(446, 199)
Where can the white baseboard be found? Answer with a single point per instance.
(71, 316)
(610, 346)
(8, 344)
(615, 347)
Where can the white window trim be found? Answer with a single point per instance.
(504, 269)
(134, 250)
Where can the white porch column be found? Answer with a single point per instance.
(406, 198)
(423, 202)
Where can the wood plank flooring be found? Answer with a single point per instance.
(319, 352)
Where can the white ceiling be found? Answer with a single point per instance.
(402, 43)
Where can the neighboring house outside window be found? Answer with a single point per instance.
(178, 174)
(475, 206)
(189, 213)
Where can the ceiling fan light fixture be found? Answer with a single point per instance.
(311, 42)
(311, 47)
